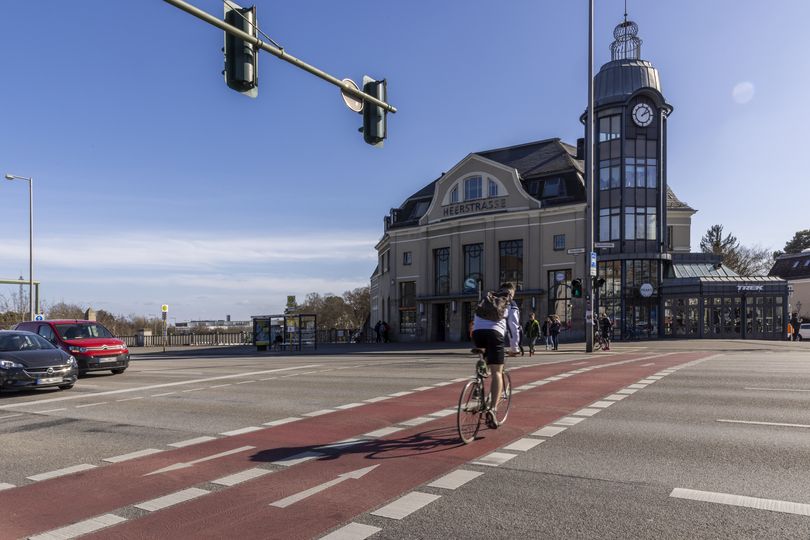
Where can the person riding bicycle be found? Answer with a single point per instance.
(496, 315)
(606, 327)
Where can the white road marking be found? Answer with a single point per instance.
(6, 486)
(42, 412)
(151, 387)
(376, 399)
(602, 404)
(538, 383)
(460, 379)
(318, 413)
(647, 381)
(164, 394)
(455, 479)
(548, 431)
(587, 411)
(568, 421)
(556, 378)
(655, 377)
(740, 500)
(627, 391)
(446, 383)
(352, 475)
(188, 464)
(298, 458)
(20, 414)
(190, 442)
(352, 531)
(763, 423)
(241, 431)
(405, 506)
(579, 363)
(382, 432)
(349, 406)
(340, 445)
(648, 365)
(128, 399)
(616, 397)
(81, 528)
(132, 455)
(400, 394)
(221, 385)
(777, 389)
(238, 478)
(282, 421)
(92, 404)
(523, 445)
(444, 412)
(269, 379)
(417, 421)
(422, 388)
(495, 459)
(196, 389)
(172, 499)
(246, 382)
(61, 472)
(525, 387)
(637, 386)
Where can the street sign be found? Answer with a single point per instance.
(470, 285)
(593, 263)
(352, 102)
(576, 251)
(560, 277)
(646, 290)
(39, 317)
(291, 302)
(604, 244)
(164, 308)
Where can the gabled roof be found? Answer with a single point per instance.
(537, 158)
(675, 203)
(792, 266)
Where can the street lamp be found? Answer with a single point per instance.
(30, 240)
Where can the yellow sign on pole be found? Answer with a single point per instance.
(291, 302)
(164, 308)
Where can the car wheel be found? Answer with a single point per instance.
(65, 386)
(118, 371)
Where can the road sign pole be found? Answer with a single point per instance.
(589, 178)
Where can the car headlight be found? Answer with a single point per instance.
(75, 349)
(71, 361)
(8, 364)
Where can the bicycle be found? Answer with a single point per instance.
(474, 398)
(599, 341)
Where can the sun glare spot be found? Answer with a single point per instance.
(743, 92)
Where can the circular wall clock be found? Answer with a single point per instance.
(642, 115)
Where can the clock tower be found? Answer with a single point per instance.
(630, 190)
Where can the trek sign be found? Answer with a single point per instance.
(741, 288)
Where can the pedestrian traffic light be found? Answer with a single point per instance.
(374, 116)
(241, 57)
(576, 288)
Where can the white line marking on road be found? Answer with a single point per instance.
(587, 411)
(569, 421)
(43, 412)
(637, 386)
(446, 383)
(245, 382)
(241, 431)
(579, 363)
(523, 445)
(417, 421)
(319, 413)
(20, 414)
(777, 389)
(444, 412)
(6, 486)
(61, 472)
(382, 432)
(297, 458)
(602, 404)
(647, 381)
(525, 387)
(548, 431)
(400, 394)
(186, 465)
(455, 479)
(376, 399)
(422, 388)
(648, 365)
(627, 391)
(352, 531)
(92, 404)
(221, 385)
(495, 459)
(151, 387)
(81, 528)
(132, 455)
(238, 478)
(655, 377)
(405, 506)
(196, 389)
(461, 379)
(340, 445)
(172, 499)
(556, 378)
(773, 505)
(616, 397)
(762, 423)
(282, 421)
(190, 442)
(352, 475)
(349, 406)
(128, 399)
(538, 383)
(269, 379)
(164, 394)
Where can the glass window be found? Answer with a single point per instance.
(559, 242)
(493, 188)
(454, 194)
(511, 262)
(610, 127)
(441, 266)
(640, 223)
(406, 258)
(609, 174)
(670, 238)
(407, 308)
(609, 224)
(559, 294)
(473, 263)
(472, 188)
(553, 187)
(534, 187)
(652, 223)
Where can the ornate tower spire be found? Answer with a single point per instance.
(626, 44)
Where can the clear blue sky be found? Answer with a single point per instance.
(146, 193)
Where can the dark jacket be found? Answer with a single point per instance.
(555, 328)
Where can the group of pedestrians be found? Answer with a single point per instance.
(532, 331)
(381, 330)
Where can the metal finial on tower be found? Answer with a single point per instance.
(626, 44)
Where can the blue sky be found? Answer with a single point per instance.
(155, 183)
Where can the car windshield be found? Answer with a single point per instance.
(82, 331)
(23, 342)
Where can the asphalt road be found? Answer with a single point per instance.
(726, 423)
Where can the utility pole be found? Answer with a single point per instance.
(589, 178)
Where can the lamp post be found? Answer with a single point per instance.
(30, 240)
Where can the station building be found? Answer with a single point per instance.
(518, 214)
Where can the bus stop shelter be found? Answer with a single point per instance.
(285, 332)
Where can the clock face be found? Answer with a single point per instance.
(642, 115)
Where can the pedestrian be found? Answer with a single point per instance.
(377, 330)
(385, 329)
(520, 340)
(556, 326)
(606, 327)
(545, 330)
(532, 331)
(796, 324)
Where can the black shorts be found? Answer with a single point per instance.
(492, 342)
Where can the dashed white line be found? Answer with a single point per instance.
(171, 499)
(81, 528)
(762, 423)
(190, 442)
(91, 404)
(637, 386)
(400, 394)
(44, 412)
(241, 431)
(523, 445)
(616, 397)
(548, 431)
(318, 413)
(132, 455)
(163, 394)
(455, 479)
(405, 506)
(495, 459)
(740, 500)
(627, 391)
(587, 411)
(245, 382)
(568, 421)
(282, 421)
(196, 389)
(461, 379)
(602, 404)
(269, 379)
(446, 383)
(128, 399)
(221, 385)
(352, 531)
(417, 421)
(6, 486)
(297, 458)
(349, 406)
(444, 412)
(382, 432)
(61, 472)
(422, 388)
(238, 478)
(376, 399)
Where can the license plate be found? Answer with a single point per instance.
(49, 380)
(107, 360)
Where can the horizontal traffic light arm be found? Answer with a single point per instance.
(280, 53)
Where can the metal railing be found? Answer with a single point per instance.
(177, 340)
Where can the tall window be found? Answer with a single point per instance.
(407, 308)
(493, 188)
(670, 238)
(609, 223)
(610, 152)
(640, 164)
(454, 194)
(640, 223)
(609, 174)
(559, 242)
(406, 258)
(610, 127)
(473, 263)
(441, 267)
(559, 294)
(511, 262)
(473, 188)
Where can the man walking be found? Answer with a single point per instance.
(532, 330)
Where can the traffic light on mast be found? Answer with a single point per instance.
(576, 288)
(241, 57)
(374, 117)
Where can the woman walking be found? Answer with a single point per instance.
(556, 326)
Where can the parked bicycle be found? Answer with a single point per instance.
(599, 341)
(475, 399)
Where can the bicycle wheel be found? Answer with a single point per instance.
(470, 405)
(506, 399)
(597, 343)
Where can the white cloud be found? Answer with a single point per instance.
(743, 92)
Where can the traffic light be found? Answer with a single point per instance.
(374, 117)
(241, 58)
(576, 288)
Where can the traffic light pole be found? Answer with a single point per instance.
(589, 180)
(280, 53)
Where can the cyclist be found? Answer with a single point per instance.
(489, 334)
(606, 326)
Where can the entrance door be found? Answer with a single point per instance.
(440, 318)
(640, 320)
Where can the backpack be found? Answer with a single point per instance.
(493, 306)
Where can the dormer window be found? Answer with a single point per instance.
(454, 195)
(553, 187)
(473, 189)
(493, 188)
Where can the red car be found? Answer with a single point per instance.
(93, 346)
